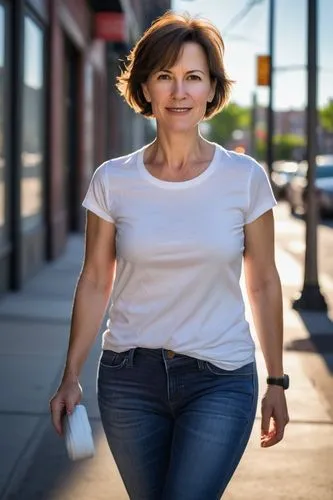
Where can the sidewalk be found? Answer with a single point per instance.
(33, 462)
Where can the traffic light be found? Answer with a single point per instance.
(263, 70)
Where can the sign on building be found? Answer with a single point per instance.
(111, 26)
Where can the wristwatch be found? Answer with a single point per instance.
(281, 381)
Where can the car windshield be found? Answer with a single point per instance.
(322, 171)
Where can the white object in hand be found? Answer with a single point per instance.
(78, 434)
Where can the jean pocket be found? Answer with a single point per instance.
(114, 360)
(243, 371)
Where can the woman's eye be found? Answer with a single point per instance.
(194, 77)
(163, 77)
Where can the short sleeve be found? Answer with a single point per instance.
(96, 198)
(260, 194)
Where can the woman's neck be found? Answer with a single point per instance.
(176, 152)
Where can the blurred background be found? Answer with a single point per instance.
(60, 118)
(60, 115)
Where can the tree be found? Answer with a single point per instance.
(326, 117)
(231, 118)
(285, 146)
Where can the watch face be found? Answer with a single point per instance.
(285, 381)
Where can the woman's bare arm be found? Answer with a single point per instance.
(265, 297)
(90, 300)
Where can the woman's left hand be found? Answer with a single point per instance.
(274, 416)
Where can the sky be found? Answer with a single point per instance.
(249, 38)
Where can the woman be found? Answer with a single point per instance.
(168, 227)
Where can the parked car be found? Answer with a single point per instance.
(282, 173)
(296, 192)
(324, 189)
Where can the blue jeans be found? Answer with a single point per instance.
(177, 426)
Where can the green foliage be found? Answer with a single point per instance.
(284, 147)
(231, 118)
(261, 149)
(235, 117)
(326, 117)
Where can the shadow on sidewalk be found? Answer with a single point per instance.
(51, 473)
(320, 340)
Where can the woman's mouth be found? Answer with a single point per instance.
(178, 110)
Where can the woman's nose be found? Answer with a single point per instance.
(178, 89)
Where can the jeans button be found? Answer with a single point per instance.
(170, 354)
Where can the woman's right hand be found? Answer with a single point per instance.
(64, 401)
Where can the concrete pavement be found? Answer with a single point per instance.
(33, 339)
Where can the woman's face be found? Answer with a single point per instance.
(179, 95)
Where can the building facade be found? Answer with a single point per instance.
(60, 117)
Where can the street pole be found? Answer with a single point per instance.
(311, 298)
(270, 113)
(253, 148)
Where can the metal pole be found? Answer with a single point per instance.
(253, 149)
(270, 113)
(311, 297)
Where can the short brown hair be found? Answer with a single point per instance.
(159, 48)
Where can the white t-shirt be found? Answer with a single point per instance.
(179, 248)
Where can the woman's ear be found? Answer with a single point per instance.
(212, 91)
(145, 92)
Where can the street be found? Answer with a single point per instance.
(34, 465)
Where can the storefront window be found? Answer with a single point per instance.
(3, 199)
(32, 156)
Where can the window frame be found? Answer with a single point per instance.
(5, 231)
(36, 220)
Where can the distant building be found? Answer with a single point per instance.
(294, 122)
(289, 122)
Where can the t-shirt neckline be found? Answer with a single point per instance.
(176, 184)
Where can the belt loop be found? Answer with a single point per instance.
(201, 364)
(130, 357)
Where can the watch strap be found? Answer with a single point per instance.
(280, 381)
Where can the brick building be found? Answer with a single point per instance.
(60, 117)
